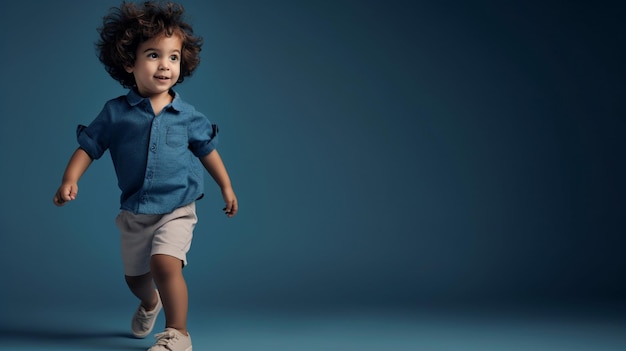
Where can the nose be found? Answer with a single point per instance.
(164, 65)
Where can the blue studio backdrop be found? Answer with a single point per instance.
(385, 154)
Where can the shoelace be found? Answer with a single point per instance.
(165, 338)
(143, 315)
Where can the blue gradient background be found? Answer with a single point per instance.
(400, 156)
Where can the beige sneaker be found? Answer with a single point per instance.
(171, 340)
(143, 321)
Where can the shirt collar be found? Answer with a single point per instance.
(135, 99)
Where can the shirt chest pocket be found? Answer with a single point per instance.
(176, 137)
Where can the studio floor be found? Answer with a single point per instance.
(523, 328)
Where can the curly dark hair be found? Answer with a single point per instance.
(126, 27)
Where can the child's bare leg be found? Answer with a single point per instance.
(142, 286)
(168, 276)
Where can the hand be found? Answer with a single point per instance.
(231, 202)
(65, 193)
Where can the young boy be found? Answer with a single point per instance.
(155, 140)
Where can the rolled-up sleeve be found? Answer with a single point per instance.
(94, 139)
(203, 136)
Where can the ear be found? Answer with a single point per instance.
(129, 69)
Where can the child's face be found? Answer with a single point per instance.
(157, 65)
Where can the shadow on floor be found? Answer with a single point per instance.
(52, 338)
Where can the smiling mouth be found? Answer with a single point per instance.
(162, 77)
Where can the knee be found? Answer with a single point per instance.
(138, 280)
(164, 266)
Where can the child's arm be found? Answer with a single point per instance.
(68, 190)
(214, 165)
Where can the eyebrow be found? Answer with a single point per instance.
(153, 49)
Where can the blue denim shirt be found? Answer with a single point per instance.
(155, 157)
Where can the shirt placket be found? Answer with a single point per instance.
(152, 162)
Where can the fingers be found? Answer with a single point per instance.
(231, 208)
(64, 194)
(230, 201)
(57, 200)
(72, 194)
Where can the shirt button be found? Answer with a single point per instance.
(153, 147)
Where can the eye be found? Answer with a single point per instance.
(153, 55)
(174, 58)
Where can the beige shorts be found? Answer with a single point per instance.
(145, 235)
